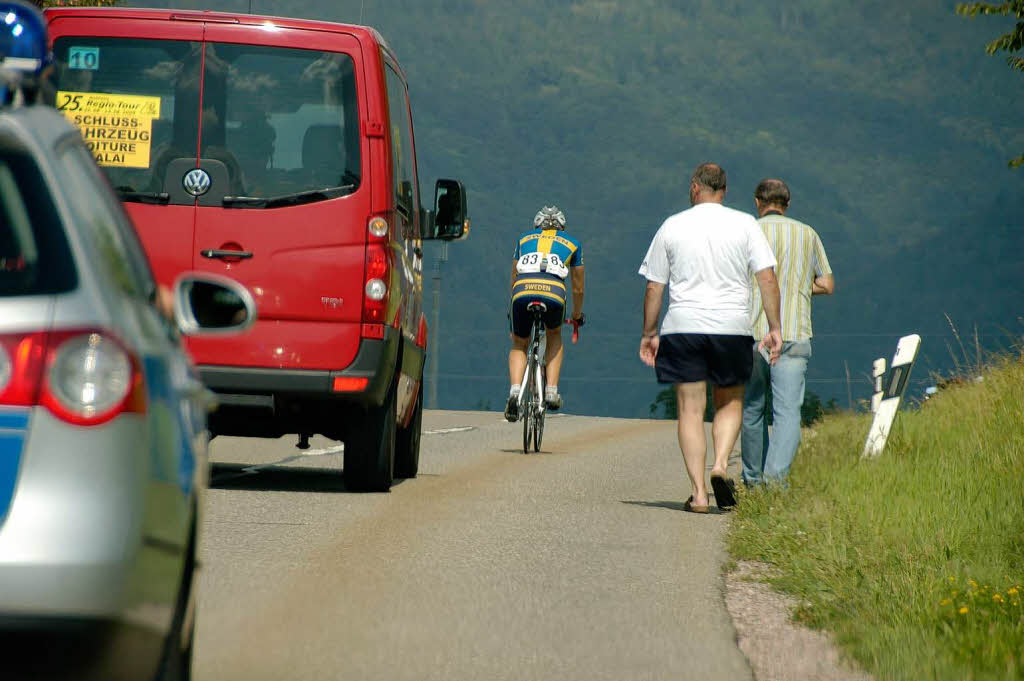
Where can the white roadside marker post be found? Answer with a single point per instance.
(892, 396)
(877, 372)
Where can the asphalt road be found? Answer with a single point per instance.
(575, 563)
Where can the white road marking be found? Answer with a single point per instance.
(327, 451)
(445, 431)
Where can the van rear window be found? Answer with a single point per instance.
(34, 254)
(135, 103)
(276, 123)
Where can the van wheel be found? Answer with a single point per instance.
(407, 447)
(370, 449)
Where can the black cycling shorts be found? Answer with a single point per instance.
(724, 360)
(522, 321)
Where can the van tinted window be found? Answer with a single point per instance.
(34, 254)
(283, 121)
(135, 102)
(404, 178)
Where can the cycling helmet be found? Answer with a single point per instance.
(549, 217)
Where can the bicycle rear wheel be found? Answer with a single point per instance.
(538, 430)
(527, 413)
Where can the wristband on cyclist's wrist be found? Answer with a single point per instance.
(648, 335)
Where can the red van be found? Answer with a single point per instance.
(278, 152)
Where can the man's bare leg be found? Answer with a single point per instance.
(726, 426)
(553, 355)
(691, 400)
(517, 359)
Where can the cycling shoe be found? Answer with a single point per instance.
(512, 409)
(553, 401)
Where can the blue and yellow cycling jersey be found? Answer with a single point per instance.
(543, 259)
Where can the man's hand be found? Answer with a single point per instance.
(164, 302)
(649, 349)
(772, 342)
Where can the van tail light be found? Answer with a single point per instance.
(85, 377)
(375, 289)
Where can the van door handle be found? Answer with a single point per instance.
(221, 253)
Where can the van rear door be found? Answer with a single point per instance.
(289, 198)
(132, 88)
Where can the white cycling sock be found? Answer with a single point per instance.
(514, 390)
(551, 390)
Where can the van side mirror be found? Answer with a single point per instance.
(209, 304)
(449, 220)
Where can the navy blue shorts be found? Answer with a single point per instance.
(724, 360)
(522, 321)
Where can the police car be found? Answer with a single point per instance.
(102, 418)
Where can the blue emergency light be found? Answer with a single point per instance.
(24, 47)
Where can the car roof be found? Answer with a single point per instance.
(38, 124)
(254, 20)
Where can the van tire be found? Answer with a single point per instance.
(407, 447)
(370, 448)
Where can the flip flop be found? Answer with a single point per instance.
(690, 508)
(725, 492)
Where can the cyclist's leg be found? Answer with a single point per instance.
(553, 354)
(521, 328)
(517, 359)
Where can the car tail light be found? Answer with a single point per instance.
(375, 287)
(22, 355)
(85, 377)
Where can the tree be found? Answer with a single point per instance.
(1008, 42)
(74, 3)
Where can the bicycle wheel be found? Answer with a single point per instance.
(538, 430)
(527, 413)
(538, 426)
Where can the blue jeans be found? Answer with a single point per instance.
(764, 459)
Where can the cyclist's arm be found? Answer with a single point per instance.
(515, 273)
(577, 292)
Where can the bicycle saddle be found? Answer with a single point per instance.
(536, 307)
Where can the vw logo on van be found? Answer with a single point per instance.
(196, 182)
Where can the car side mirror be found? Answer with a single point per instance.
(449, 220)
(207, 304)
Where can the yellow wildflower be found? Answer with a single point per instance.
(997, 598)
(963, 610)
(1012, 591)
(952, 579)
(945, 601)
(974, 584)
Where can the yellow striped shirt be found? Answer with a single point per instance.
(801, 258)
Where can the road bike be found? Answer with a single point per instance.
(532, 406)
(531, 396)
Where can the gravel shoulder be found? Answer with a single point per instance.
(777, 648)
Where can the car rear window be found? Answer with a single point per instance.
(276, 122)
(34, 254)
(135, 103)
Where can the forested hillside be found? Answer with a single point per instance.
(888, 120)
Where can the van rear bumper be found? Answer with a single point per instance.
(266, 402)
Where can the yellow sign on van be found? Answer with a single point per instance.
(118, 129)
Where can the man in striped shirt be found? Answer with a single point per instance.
(803, 271)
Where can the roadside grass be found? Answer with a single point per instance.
(915, 560)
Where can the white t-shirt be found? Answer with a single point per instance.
(706, 255)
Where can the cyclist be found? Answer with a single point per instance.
(544, 259)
